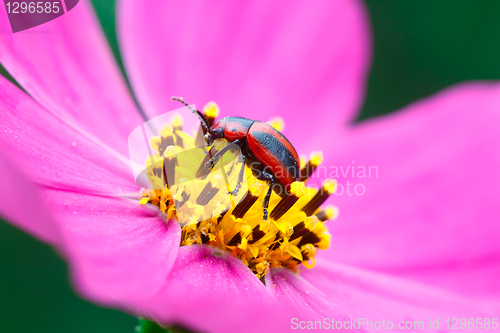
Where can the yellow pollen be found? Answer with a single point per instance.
(330, 186)
(177, 123)
(170, 151)
(298, 189)
(166, 131)
(277, 123)
(316, 158)
(211, 110)
(290, 237)
(331, 213)
(309, 265)
(302, 160)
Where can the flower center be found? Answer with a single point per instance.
(289, 238)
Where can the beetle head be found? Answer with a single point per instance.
(218, 128)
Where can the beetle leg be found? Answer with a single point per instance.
(240, 177)
(218, 155)
(269, 178)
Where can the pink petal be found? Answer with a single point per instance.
(434, 201)
(66, 66)
(376, 297)
(52, 153)
(211, 291)
(476, 277)
(303, 61)
(21, 204)
(120, 251)
(291, 288)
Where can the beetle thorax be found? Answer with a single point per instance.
(235, 128)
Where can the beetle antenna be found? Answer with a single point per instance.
(204, 122)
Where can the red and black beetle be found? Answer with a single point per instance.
(269, 154)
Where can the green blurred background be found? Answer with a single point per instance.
(420, 47)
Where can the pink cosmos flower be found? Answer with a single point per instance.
(420, 243)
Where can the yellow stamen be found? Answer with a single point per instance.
(211, 111)
(329, 213)
(177, 122)
(309, 265)
(277, 123)
(328, 188)
(315, 159)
